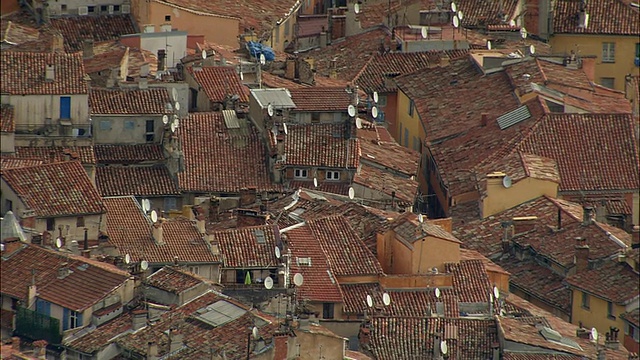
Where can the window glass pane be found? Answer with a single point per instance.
(129, 125)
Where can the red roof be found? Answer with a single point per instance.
(128, 154)
(101, 336)
(130, 102)
(15, 33)
(57, 153)
(481, 13)
(614, 281)
(89, 281)
(470, 280)
(403, 188)
(247, 247)
(55, 190)
(320, 99)
(372, 76)
(632, 317)
(75, 29)
(218, 82)
(321, 145)
(10, 162)
(606, 17)
(7, 123)
(173, 280)
(135, 180)
(391, 156)
(539, 356)
(217, 159)
(312, 25)
(23, 73)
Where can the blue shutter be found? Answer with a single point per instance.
(79, 322)
(65, 319)
(65, 107)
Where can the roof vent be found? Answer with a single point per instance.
(50, 74)
(259, 236)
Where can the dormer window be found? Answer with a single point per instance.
(333, 175)
(300, 173)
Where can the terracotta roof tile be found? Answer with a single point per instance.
(618, 206)
(480, 13)
(15, 33)
(321, 145)
(375, 13)
(276, 82)
(128, 230)
(470, 280)
(372, 76)
(104, 27)
(323, 185)
(632, 317)
(372, 177)
(247, 247)
(135, 180)
(355, 296)
(616, 282)
(106, 56)
(217, 159)
(312, 25)
(128, 154)
(10, 162)
(24, 74)
(467, 254)
(172, 280)
(130, 102)
(58, 189)
(7, 123)
(606, 17)
(220, 81)
(101, 336)
(391, 156)
(88, 282)
(321, 99)
(57, 153)
(531, 356)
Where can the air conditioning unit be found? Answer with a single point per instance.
(126, 9)
(83, 10)
(110, 9)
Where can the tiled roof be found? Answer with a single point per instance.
(15, 33)
(372, 76)
(375, 13)
(104, 27)
(470, 280)
(135, 180)
(7, 123)
(604, 144)
(538, 356)
(408, 227)
(372, 177)
(480, 13)
(345, 252)
(24, 73)
(632, 317)
(606, 17)
(219, 160)
(247, 247)
(45, 153)
(391, 156)
(618, 206)
(220, 81)
(321, 145)
(355, 296)
(128, 154)
(57, 189)
(518, 166)
(616, 282)
(466, 254)
(106, 56)
(101, 336)
(172, 280)
(274, 81)
(322, 99)
(129, 231)
(88, 282)
(328, 186)
(130, 102)
(10, 162)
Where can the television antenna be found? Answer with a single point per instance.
(512, 23)
(173, 127)
(204, 54)
(374, 112)
(263, 60)
(154, 216)
(298, 279)
(375, 97)
(506, 181)
(165, 119)
(489, 45)
(174, 94)
(438, 293)
(315, 182)
(444, 349)
(356, 8)
(456, 21)
(146, 205)
(369, 301)
(144, 265)
(358, 123)
(58, 243)
(284, 127)
(594, 335)
(352, 193)
(386, 299)
(460, 15)
(127, 259)
(270, 110)
(351, 110)
(268, 283)
(277, 252)
(524, 33)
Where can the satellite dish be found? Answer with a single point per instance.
(315, 182)
(352, 193)
(444, 349)
(356, 8)
(489, 45)
(298, 279)
(386, 299)
(594, 334)
(506, 181)
(512, 23)
(254, 332)
(456, 22)
(241, 76)
(263, 60)
(268, 283)
(532, 49)
(420, 218)
(374, 112)
(177, 106)
(127, 259)
(523, 33)
(438, 293)
(146, 205)
(454, 8)
(369, 301)
(204, 54)
(359, 123)
(277, 251)
(154, 216)
(165, 119)
(375, 97)
(284, 127)
(176, 121)
(270, 110)
(144, 265)
(460, 15)
(173, 127)
(58, 243)
(424, 32)
(496, 292)
(174, 94)
(351, 110)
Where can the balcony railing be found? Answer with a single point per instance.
(37, 326)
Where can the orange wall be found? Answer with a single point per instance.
(402, 258)
(9, 6)
(433, 252)
(416, 281)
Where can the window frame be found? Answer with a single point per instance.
(609, 52)
(585, 303)
(80, 221)
(610, 310)
(105, 125)
(607, 79)
(412, 105)
(51, 224)
(300, 173)
(332, 175)
(167, 18)
(328, 310)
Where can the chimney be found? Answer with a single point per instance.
(323, 39)
(364, 336)
(162, 54)
(32, 293)
(85, 246)
(586, 215)
(10, 245)
(611, 339)
(74, 247)
(176, 340)
(139, 319)
(143, 83)
(581, 255)
(635, 234)
(484, 119)
(250, 218)
(506, 237)
(280, 347)
(86, 254)
(144, 70)
(57, 44)
(247, 196)
(214, 209)
(63, 270)
(50, 73)
(201, 224)
(290, 71)
(152, 351)
(87, 48)
(523, 224)
(496, 351)
(156, 230)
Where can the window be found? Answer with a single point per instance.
(104, 8)
(194, 270)
(300, 173)
(71, 319)
(116, 8)
(610, 313)
(167, 18)
(51, 224)
(607, 82)
(149, 127)
(327, 310)
(333, 175)
(608, 52)
(585, 300)
(91, 9)
(8, 205)
(63, 7)
(400, 139)
(638, 50)
(80, 221)
(315, 117)
(105, 125)
(411, 106)
(406, 137)
(129, 125)
(43, 307)
(286, 28)
(416, 144)
(170, 203)
(65, 107)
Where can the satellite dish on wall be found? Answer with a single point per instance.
(496, 292)
(532, 49)
(351, 110)
(369, 301)
(356, 8)
(144, 265)
(277, 252)
(489, 45)
(444, 349)
(268, 283)
(352, 193)
(524, 33)
(146, 205)
(165, 119)
(284, 127)
(263, 60)
(255, 333)
(154, 216)
(359, 123)
(386, 299)
(127, 259)
(460, 15)
(173, 127)
(438, 293)
(174, 94)
(594, 334)
(204, 54)
(315, 182)
(270, 110)
(424, 32)
(375, 97)
(456, 22)
(512, 23)
(58, 243)
(506, 181)
(374, 112)
(420, 218)
(454, 7)
(241, 76)
(298, 279)
(177, 106)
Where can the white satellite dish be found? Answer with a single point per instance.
(359, 123)
(173, 127)
(144, 265)
(444, 349)
(277, 251)
(154, 216)
(176, 121)
(270, 110)
(460, 15)
(523, 33)
(177, 106)
(284, 127)
(174, 94)
(374, 112)
(369, 301)
(315, 182)
(420, 218)
(506, 181)
(268, 283)
(165, 119)
(438, 293)
(512, 23)
(127, 259)
(586, 20)
(263, 60)
(58, 243)
(356, 8)
(454, 8)
(298, 279)
(594, 334)
(386, 299)
(375, 97)
(351, 110)
(255, 333)
(532, 49)
(241, 76)
(424, 32)
(496, 292)
(489, 46)
(456, 22)
(352, 193)
(204, 54)
(146, 205)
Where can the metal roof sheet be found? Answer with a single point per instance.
(513, 117)
(278, 98)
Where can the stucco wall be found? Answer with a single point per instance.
(433, 252)
(596, 314)
(499, 198)
(116, 133)
(34, 109)
(7, 142)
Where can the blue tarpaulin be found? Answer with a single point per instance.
(256, 48)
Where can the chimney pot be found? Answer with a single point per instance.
(484, 119)
(586, 215)
(581, 255)
(157, 233)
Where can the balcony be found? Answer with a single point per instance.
(37, 326)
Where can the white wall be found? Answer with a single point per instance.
(55, 8)
(174, 42)
(34, 109)
(118, 134)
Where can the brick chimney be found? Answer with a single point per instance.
(611, 338)
(635, 234)
(11, 245)
(587, 215)
(280, 348)
(523, 224)
(581, 254)
(214, 209)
